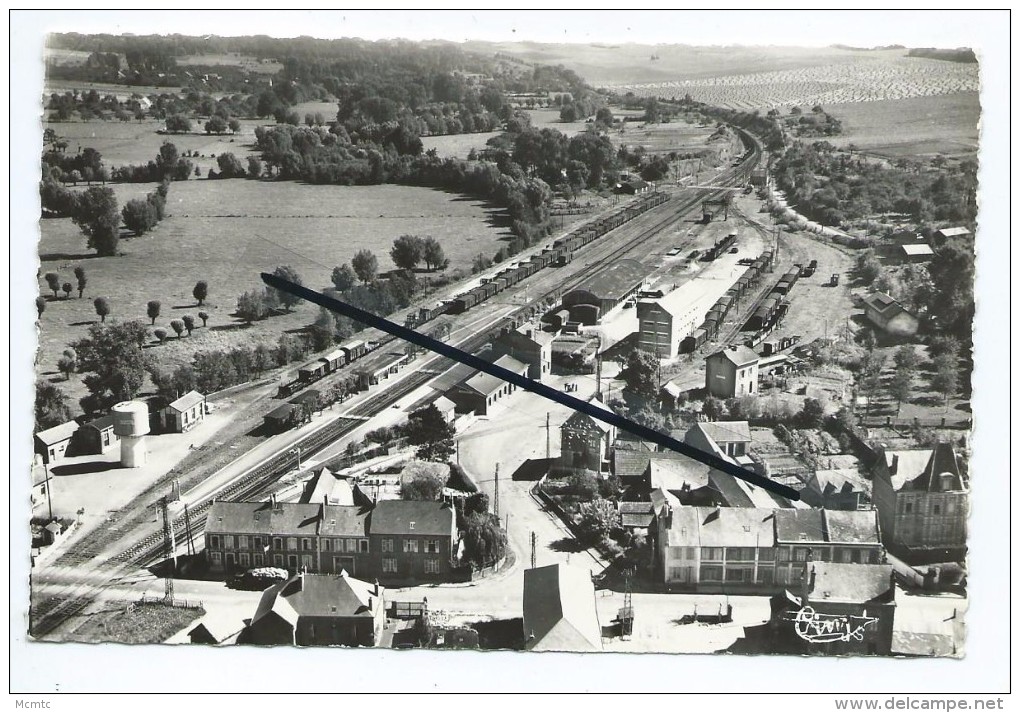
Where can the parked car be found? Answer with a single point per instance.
(258, 579)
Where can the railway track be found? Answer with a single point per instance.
(255, 482)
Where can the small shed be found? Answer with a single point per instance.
(52, 443)
(96, 437)
(185, 413)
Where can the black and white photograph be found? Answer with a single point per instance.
(447, 342)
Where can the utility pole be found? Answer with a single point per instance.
(168, 539)
(495, 497)
(187, 531)
(533, 540)
(548, 444)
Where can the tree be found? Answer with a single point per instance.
(177, 124)
(102, 308)
(251, 306)
(583, 485)
(216, 125)
(139, 216)
(230, 166)
(906, 357)
(178, 326)
(254, 167)
(234, 125)
(640, 374)
(40, 305)
(900, 387)
(83, 280)
(484, 540)
(432, 253)
(98, 218)
(427, 429)
(286, 272)
(597, 519)
(868, 266)
(945, 380)
(323, 330)
(66, 366)
(51, 406)
(112, 361)
(67, 287)
(407, 251)
(365, 265)
(476, 503)
(343, 278)
(189, 323)
(200, 291)
(160, 335)
(53, 282)
(424, 484)
(204, 316)
(152, 309)
(713, 408)
(811, 414)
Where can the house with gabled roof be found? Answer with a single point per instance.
(585, 442)
(480, 391)
(559, 610)
(923, 511)
(889, 315)
(393, 540)
(731, 372)
(319, 610)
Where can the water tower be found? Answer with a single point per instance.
(131, 424)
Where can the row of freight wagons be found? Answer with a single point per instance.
(560, 253)
(344, 354)
(775, 305)
(717, 314)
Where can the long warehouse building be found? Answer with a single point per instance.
(665, 321)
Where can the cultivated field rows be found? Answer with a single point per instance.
(867, 79)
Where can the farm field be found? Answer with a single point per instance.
(615, 64)
(457, 145)
(946, 124)
(250, 64)
(218, 232)
(133, 142)
(862, 77)
(126, 90)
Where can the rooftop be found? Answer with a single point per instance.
(852, 583)
(941, 473)
(615, 281)
(57, 433)
(736, 527)
(320, 595)
(411, 517)
(559, 610)
(630, 463)
(739, 355)
(883, 304)
(725, 431)
(486, 384)
(952, 232)
(918, 250)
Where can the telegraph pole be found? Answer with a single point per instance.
(548, 445)
(495, 498)
(533, 540)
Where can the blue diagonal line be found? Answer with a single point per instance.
(523, 382)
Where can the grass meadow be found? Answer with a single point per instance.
(226, 232)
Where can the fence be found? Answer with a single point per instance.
(890, 422)
(175, 603)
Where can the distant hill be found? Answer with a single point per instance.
(868, 49)
(962, 54)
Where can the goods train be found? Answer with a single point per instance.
(719, 248)
(709, 328)
(773, 308)
(559, 253)
(344, 354)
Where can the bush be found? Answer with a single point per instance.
(583, 485)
